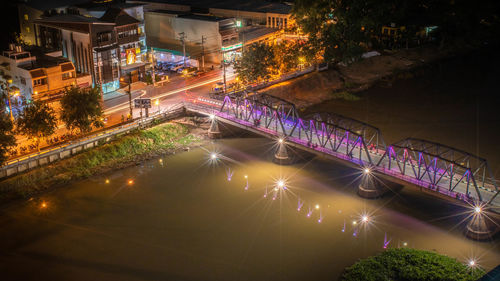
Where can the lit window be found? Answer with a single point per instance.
(26, 18)
(27, 29)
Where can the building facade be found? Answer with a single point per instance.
(42, 77)
(202, 36)
(90, 43)
(247, 12)
(131, 47)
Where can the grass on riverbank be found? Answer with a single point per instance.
(344, 95)
(126, 150)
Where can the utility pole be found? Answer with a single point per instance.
(154, 65)
(203, 38)
(183, 41)
(130, 94)
(224, 66)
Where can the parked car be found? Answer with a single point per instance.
(190, 71)
(218, 87)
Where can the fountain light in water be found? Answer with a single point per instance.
(300, 203)
(229, 174)
(386, 241)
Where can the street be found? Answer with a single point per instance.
(116, 108)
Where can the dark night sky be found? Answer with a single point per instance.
(9, 23)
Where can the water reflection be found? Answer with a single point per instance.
(297, 222)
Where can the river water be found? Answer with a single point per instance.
(189, 217)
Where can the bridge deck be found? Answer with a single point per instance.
(454, 186)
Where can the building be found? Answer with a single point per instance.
(97, 9)
(246, 12)
(90, 43)
(130, 39)
(31, 10)
(200, 37)
(41, 77)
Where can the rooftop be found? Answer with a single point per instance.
(255, 32)
(43, 61)
(93, 6)
(118, 16)
(71, 22)
(261, 6)
(188, 15)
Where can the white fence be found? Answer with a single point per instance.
(68, 149)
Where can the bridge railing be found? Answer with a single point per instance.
(363, 144)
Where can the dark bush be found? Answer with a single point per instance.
(410, 265)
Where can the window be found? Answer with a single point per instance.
(26, 18)
(103, 37)
(27, 29)
(67, 75)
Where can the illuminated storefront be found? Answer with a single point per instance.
(232, 52)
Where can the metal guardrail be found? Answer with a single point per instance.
(82, 142)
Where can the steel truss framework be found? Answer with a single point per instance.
(337, 133)
(440, 166)
(431, 165)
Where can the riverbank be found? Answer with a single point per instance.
(127, 150)
(342, 82)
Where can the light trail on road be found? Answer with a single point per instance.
(169, 93)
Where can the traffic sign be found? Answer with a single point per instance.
(142, 103)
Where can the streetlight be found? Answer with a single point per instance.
(157, 102)
(129, 93)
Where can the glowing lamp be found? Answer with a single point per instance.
(130, 182)
(44, 205)
(317, 206)
(367, 170)
(212, 116)
(477, 210)
(365, 218)
(213, 156)
(280, 140)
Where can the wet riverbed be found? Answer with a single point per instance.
(191, 217)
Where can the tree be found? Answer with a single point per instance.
(37, 121)
(256, 63)
(81, 109)
(409, 264)
(7, 139)
(337, 29)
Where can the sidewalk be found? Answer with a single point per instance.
(136, 86)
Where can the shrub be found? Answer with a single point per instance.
(410, 265)
(345, 95)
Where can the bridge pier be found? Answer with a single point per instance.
(213, 131)
(371, 187)
(481, 227)
(281, 156)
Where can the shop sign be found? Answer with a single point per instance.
(232, 47)
(130, 56)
